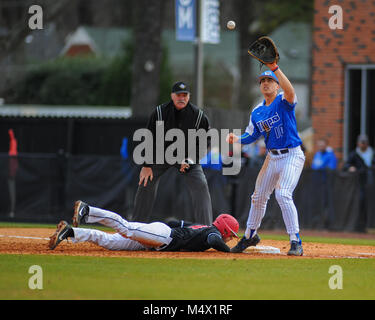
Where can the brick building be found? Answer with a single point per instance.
(343, 73)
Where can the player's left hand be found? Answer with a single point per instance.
(231, 138)
(272, 65)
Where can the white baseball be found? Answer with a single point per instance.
(231, 24)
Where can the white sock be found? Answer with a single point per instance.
(249, 233)
(294, 237)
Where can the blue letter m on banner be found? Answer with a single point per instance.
(185, 20)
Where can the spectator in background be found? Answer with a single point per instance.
(362, 160)
(254, 153)
(128, 171)
(124, 149)
(12, 171)
(212, 160)
(249, 158)
(212, 164)
(324, 158)
(259, 158)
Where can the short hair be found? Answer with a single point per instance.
(362, 138)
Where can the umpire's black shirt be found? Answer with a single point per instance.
(183, 119)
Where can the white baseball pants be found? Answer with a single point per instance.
(154, 235)
(106, 240)
(280, 173)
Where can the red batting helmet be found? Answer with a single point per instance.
(227, 225)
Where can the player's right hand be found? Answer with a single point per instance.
(231, 138)
(145, 175)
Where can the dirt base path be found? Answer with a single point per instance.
(35, 241)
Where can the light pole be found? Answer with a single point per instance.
(198, 100)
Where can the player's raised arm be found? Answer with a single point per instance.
(283, 81)
(265, 50)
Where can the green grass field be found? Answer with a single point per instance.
(75, 278)
(66, 277)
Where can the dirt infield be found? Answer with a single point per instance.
(34, 241)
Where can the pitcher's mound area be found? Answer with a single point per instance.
(35, 241)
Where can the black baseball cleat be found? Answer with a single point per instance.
(81, 210)
(295, 249)
(244, 243)
(63, 231)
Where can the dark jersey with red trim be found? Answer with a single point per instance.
(190, 237)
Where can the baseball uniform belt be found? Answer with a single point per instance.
(277, 152)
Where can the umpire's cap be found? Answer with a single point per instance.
(227, 225)
(180, 87)
(268, 74)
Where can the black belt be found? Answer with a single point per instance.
(277, 152)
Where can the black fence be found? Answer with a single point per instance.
(43, 188)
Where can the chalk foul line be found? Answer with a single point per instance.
(23, 237)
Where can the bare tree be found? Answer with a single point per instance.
(147, 56)
(246, 15)
(20, 28)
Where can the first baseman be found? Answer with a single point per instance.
(177, 236)
(275, 120)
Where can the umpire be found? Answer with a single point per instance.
(178, 113)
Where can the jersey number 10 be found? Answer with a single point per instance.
(279, 131)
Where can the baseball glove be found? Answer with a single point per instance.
(265, 50)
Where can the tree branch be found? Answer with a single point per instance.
(10, 42)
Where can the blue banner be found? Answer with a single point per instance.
(185, 20)
(210, 27)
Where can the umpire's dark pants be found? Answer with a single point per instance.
(196, 183)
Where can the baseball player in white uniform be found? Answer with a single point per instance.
(275, 120)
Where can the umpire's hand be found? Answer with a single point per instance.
(184, 167)
(145, 175)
